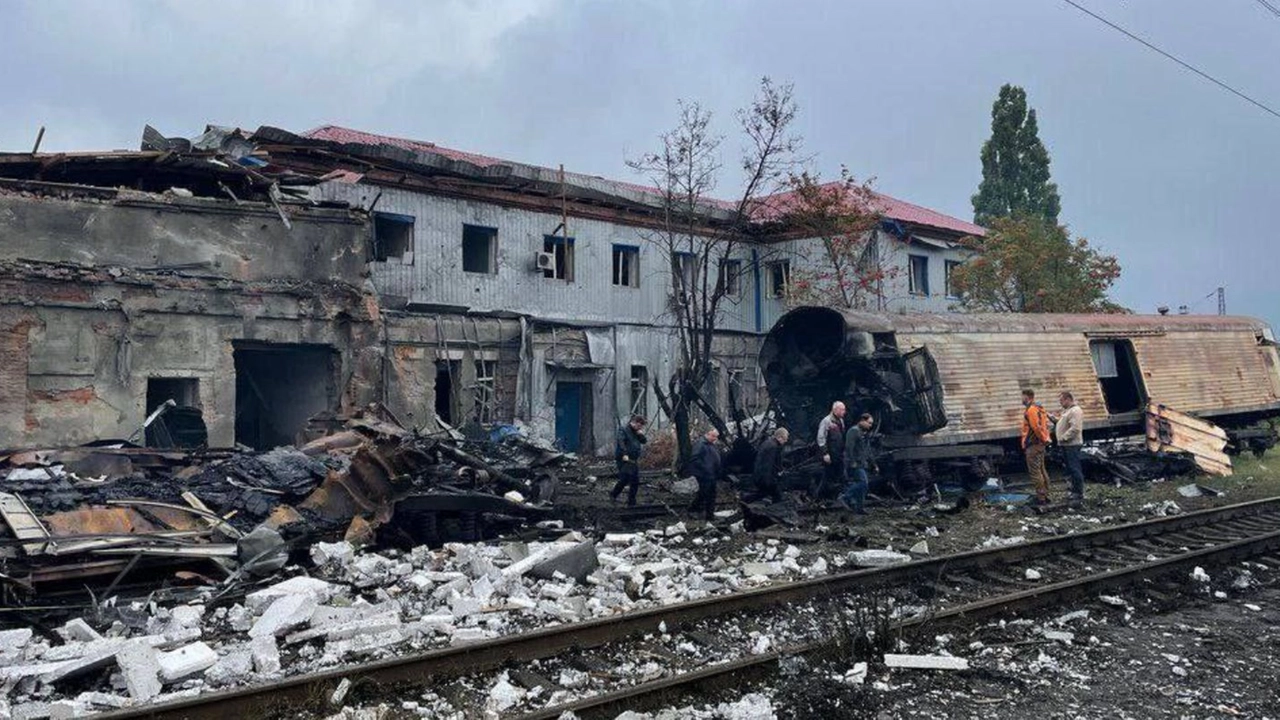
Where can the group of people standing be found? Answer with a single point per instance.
(1068, 427)
(847, 456)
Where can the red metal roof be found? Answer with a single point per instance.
(892, 207)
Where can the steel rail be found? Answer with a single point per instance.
(461, 660)
(736, 672)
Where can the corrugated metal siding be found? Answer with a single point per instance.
(1196, 371)
(436, 276)
(808, 254)
(1205, 371)
(983, 375)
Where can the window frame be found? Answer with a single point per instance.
(911, 275)
(563, 249)
(491, 235)
(631, 253)
(775, 292)
(682, 260)
(949, 266)
(377, 249)
(732, 281)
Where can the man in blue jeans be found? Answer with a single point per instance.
(857, 456)
(1070, 433)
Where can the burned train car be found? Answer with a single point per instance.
(946, 386)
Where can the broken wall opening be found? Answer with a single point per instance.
(179, 426)
(1117, 369)
(279, 386)
(183, 391)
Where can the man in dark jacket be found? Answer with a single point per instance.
(705, 468)
(857, 458)
(768, 465)
(626, 453)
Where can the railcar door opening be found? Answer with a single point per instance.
(1118, 375)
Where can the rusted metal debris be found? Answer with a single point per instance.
(89, 515)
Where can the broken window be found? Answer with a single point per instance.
(731, 277)
(184, 392)
(686, 269)
(1118, 375)
(640, 390)
(479, 249)
(181, 425)
(779, 278)
(918, 277)
(485, 395)
(950, 268)
(562, 249)
(393, 238)
(626, 265)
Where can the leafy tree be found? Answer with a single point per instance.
(1015, 164)
(1027, 264)
(699, 235)
(845, 268)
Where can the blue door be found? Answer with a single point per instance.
(568, 415)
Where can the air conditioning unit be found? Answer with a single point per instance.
(545, 261)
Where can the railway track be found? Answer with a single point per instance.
(952, 588)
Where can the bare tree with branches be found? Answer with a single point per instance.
(846, 267)
(701, 237)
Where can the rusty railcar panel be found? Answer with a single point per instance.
(1168, 429)
(1217, 366)
(1206, 372)
(983, 375)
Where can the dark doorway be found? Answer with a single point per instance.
(574, 417)
(444, 391)
(1118, 375)
(278, 388)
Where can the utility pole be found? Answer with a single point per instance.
(1222, 300)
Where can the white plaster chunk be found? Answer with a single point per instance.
(318, 590)
(283, 615)
(137, 661)
(14, 640)
(266, 655)
(78, 630)
(185, 661)
(926, 662)
(877, 558)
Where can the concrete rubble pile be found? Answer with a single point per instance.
(361, 605)
(98, 516)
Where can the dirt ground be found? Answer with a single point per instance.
(1194, 656)
(832, 533)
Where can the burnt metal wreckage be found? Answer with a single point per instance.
(113, 512)
(944, 390)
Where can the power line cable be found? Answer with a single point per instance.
(1274, 10)
(1184, 64)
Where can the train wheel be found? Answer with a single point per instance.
(911, 478)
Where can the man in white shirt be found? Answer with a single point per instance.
(1070, 432)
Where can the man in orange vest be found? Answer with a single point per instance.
(1035, 438)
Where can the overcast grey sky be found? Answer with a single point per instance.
(1157, 166)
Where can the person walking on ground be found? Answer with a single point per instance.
(768, 466)
(1035, 437)
(831, 445)
(626, 453)
(705, 467)
(1070, 432)
(857, 457)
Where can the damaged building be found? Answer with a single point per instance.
(268, 282)
(133, 279)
